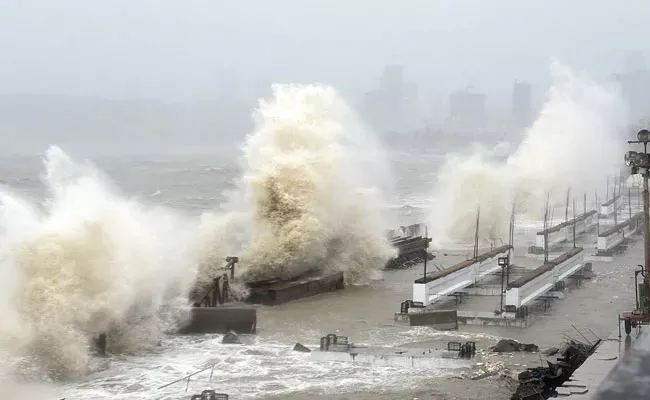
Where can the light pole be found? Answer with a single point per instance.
(504, 263)
(639, 163)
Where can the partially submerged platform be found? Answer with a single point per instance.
(438, 285)
(609, 240)
(611, 206)
(273, 292)
(554, 236)
(529, 287)
(338, 349)
(538, 282)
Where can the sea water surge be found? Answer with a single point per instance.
(85, 251)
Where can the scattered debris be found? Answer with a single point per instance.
(489, 370)
(210, 395)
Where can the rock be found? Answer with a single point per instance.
(551, 351)
(506, 346)
(230, 338)
(511, 346)
(301, 348)
(530, 348)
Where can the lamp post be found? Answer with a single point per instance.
(639, 163)
(426, 252)
(503, 262)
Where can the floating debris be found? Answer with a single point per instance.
(210, 395)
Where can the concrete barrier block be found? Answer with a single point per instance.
(236, 318)
(439, 319)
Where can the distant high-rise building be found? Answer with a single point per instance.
(634, 62)
(635, 86)
(521, 102)
(392, 79)
(390, 105)
(467, 107)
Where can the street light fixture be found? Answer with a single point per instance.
(638, 160)
(643, 136)
(630, 158)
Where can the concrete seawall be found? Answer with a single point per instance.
(618, 369)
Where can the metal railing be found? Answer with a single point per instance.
(219, 293)
(189, 377)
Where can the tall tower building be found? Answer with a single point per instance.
(635, 85)
(634, 61)
(391, 105)
(467, 107)
(521, 103)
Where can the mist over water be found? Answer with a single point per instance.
(310, 195)
(575, 142)
(86, 261)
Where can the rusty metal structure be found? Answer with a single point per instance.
(640, 163)
(210, 395)
(214, 310)
(464, 350)
(412, 243)
(219, 291)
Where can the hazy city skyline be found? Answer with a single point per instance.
(192, 72)
(183, 51)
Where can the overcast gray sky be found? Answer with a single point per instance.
(176, 50)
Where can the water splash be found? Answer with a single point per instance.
(575, 142)
(310, 194)
(87, 261)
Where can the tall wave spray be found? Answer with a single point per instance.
(88, 261)
(575, 143)
(309, 198)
